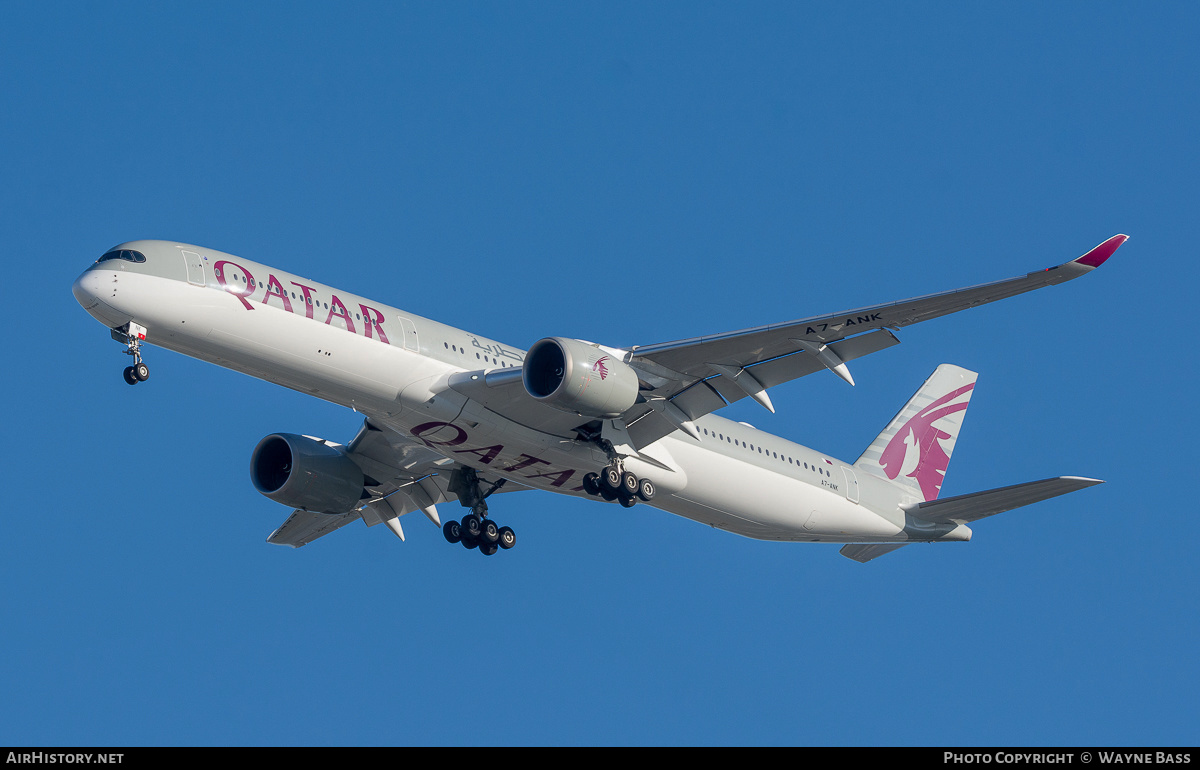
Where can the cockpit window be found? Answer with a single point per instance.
(125, 254)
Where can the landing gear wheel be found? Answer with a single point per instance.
(487, 549)
(469, 542)
(141, 371)
(646, 490)
(611, 478)
(490, 533)
(453, 531)
(130, 377)
(508, 538)
(628, 502)
(629, 484)
(591, 484)
(472, 526)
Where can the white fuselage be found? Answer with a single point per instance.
(394, 368)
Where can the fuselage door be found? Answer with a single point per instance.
(195, 267)
(410, 335)
(851, 485)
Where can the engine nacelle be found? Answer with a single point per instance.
(577, 377)
(303, 473)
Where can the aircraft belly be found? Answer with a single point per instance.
(749, 500)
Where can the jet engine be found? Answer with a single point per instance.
(305, 473)
(577, 377)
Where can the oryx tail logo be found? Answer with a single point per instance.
(916, 449)
(600, 367)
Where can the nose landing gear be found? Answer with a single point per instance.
(132, 335)
(139, 372)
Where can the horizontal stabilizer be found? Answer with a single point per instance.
(865, 552)
(978, 505)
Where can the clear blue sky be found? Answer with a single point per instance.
(629, 175)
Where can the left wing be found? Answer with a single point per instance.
(402, 475)
(690, 378)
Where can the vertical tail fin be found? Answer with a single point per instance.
(914, 450)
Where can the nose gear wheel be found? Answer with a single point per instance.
(132, 335)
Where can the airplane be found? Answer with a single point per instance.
(450, 416)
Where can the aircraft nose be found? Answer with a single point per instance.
(94, 290)
(87, 288)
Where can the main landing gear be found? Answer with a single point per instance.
(476, 530)
(132, 335)
(616, 483)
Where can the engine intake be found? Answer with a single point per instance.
(304, 473)
(577, 377)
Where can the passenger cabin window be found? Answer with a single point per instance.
(125, 254)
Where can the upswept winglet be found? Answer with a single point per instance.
(1095, 258)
